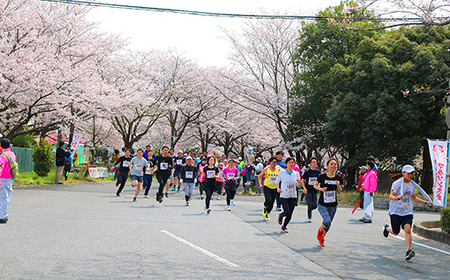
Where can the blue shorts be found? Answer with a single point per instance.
(176, 173)
(137, 178)
(397, 221)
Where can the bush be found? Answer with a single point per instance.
(445, 219)
(24, 141)
(42, 158)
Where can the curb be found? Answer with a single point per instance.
(422, 229)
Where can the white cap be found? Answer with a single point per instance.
(189, 157)
(408, 169)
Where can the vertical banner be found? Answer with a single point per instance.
(75, 141)
(438, 154)
(209, 149)
(286, 154)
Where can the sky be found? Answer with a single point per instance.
(196, 37)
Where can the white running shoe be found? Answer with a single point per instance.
(208, 211)
(229, 208)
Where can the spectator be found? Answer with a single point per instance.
(60, 158)
(6, 179)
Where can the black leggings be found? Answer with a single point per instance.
(209, 189)
(162, 179)
(270, 195)
(122, 178)
(230, 188)
(288, 209)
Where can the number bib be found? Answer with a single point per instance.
(189, 175)
(230, 176)
(329, 197)
(272, 180)
(291, 188)
(139, 166)
(164, 165)
(201, 169)
(148, 172)
(210, 174)
(312, 181)
(125, 163)
(179, 161)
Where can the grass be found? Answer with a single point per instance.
(32, 179)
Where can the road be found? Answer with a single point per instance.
(83, 231)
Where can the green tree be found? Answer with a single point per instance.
(24, 141)
(322, 44)
(42, 158)
(392, 97)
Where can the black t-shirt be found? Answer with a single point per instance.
(124, 164)
(210, 172)
(188, 173)
(310, 177)
(164, 164)
(60, 154)
(329, 198)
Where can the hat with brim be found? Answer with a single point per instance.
(408, 169)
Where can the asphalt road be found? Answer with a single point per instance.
(83, 231)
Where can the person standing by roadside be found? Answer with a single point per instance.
(290, 180)
(401, 208)
(258, 169)
(360, 189)
(269, 174)
(124, 167)
(369, 186)
(249, 161)
(137, 167)
(188, 174)
(68, 158)
(6, 178)
(60, 157)
(309, 178)
(328, 183)
(115, 158)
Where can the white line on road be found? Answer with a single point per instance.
(426, 246)
(200, 249)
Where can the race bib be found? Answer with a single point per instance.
(272, 180)
(125, 163)
(330, 182)
(164, 166)
(291, 187)
(329, 196)
(189, 174)
(148, 172)
(138, 166)
(179, 161)
(230, 176)
(312, 181)
(210, 174)
(201, 169)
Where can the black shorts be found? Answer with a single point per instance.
(397, 221)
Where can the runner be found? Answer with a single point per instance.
(210, 173)
(289, 179)
(148, 174)
(280, 165)
(163, 168)
(179, 161)
(188, 174)
(219, 180)
(137, 167)
(231, 173)
(327, 183)
(309, 178)
(401, 208)
(270, 174)
(201, 179)
(124, 163)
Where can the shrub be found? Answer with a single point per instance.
(42, 158)
(24, 141)
(445, 219)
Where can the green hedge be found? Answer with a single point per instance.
(445, 219)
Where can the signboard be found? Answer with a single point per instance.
(438, 154)
(209, 149)
(98, 172)
(75, 141)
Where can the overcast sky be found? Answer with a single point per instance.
(197, 37)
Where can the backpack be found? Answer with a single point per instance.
(13, 165)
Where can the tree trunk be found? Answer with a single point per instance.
(351, 170)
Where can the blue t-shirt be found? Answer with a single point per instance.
(282, 164)
(138, 166)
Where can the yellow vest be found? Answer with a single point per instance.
(273, 175)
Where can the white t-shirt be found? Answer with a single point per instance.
(288, 184)
(404, 206)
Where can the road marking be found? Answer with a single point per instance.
(230, 264)
(426, 246)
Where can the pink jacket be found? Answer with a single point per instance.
(5, 171)
(370, 181)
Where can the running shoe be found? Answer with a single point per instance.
(201, 197)
(309, 221)
(233, 203)
(385, 231)
(117, 194)
(167, 195)
(178, 190)
(319, 234)
(187, 203)
(283, 228)
(362, 219)
(322, 242)
(366, 221)
(134, 199)
(145, 196)
(208, 211)
(218, 198)
(229, 208)
(280, 219)
(278, 208)
(117, 183)
(160, 200)
(410, 254)
(143, 188)
(265, 214)
(173, 189)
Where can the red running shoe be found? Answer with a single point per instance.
(320, 235)
(322, 242)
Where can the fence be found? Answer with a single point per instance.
(24, 159)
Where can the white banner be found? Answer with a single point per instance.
(438, 154)
(75, 141)
(98, 172)
(209, 149)
(286, 154)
